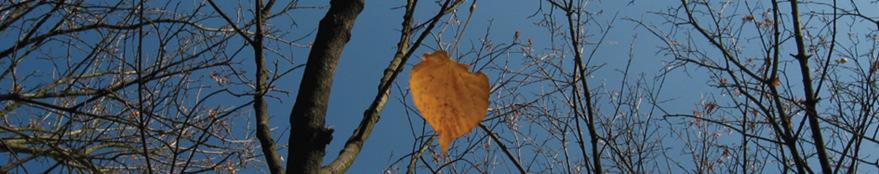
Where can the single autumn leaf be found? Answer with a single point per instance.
(776, 82)
(451, 99)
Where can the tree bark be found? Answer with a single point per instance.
(309, 137)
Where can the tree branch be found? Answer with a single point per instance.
(263, 132)
(808, 90)
(504, 148)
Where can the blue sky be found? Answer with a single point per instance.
(373, 44)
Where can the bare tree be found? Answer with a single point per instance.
(132, 86)
(128, 86)
(775, 102)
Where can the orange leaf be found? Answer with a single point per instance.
(451, 99)
(776, 82)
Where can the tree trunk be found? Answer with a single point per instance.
(309, 137)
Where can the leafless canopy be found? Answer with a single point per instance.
(128, 86)
(185, 87)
